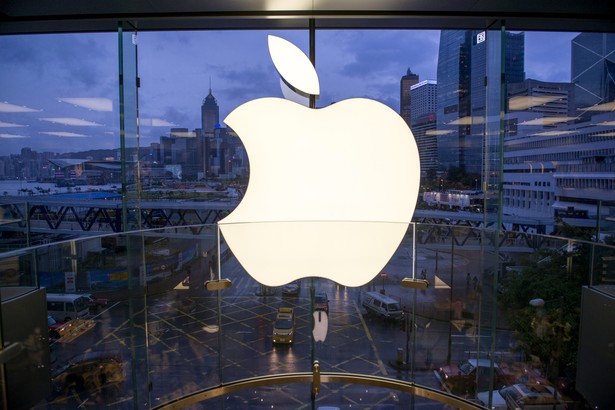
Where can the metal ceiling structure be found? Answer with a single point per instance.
(49, 16)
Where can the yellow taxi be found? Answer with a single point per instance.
(284, 326)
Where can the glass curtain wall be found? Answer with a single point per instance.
(131, 191)
(133, 174)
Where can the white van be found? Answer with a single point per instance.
(382, 305)
(67, 306)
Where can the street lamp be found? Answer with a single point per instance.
(217, 283)
(411, 283)
(450, 306)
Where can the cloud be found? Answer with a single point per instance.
(370, 63)
(79, 60)
(19, 50)
(175, 69)
(247, 83)
(370, 53)
(182, 119)
(547, 56)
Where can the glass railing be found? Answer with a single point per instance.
(150, 333)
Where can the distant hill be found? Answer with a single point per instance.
(98, 154)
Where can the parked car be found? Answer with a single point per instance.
(382, 305)
(523, 397)
(321, 302)
(56, 329)
(292, 288)
(95, 303)
(284, 326)
(462, 379)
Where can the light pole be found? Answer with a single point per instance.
(412, 283)
(450, 305)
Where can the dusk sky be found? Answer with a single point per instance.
(68, 82)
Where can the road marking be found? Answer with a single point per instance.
(180, 286)
(442, 384)
(440, 284)
(105, 310)
(383, 370)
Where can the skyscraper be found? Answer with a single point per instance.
(423, 117)
(453, 100)
(405, 98)
(210, 114)
(463, 60)
(514, 64)
(209, 148)
(593, 68)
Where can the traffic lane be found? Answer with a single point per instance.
(418, 348)
(183, 341)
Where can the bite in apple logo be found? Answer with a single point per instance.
(331, 190)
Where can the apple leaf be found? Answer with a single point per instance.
(294, 66)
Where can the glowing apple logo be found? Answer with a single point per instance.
(331, 190)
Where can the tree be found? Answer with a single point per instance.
(549, 332)
(458, 178)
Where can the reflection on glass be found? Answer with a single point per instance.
(60, 174)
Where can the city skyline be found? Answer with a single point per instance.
(350, 64)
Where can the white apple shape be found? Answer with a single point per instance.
(331, 191)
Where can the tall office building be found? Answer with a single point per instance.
(514, 63)
(423, 117)
(405, 97)
(181, 152)
(210, 114)
(453, 100)
(593, 68)
(424, 97)
(209, 148)
(463, 60)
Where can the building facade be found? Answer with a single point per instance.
(405, 95)
(549, 99)
(463, 60)
(423, 117)
(593, 68)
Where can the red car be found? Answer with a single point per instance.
(56, 329)
(95, 303)
(461, 379)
